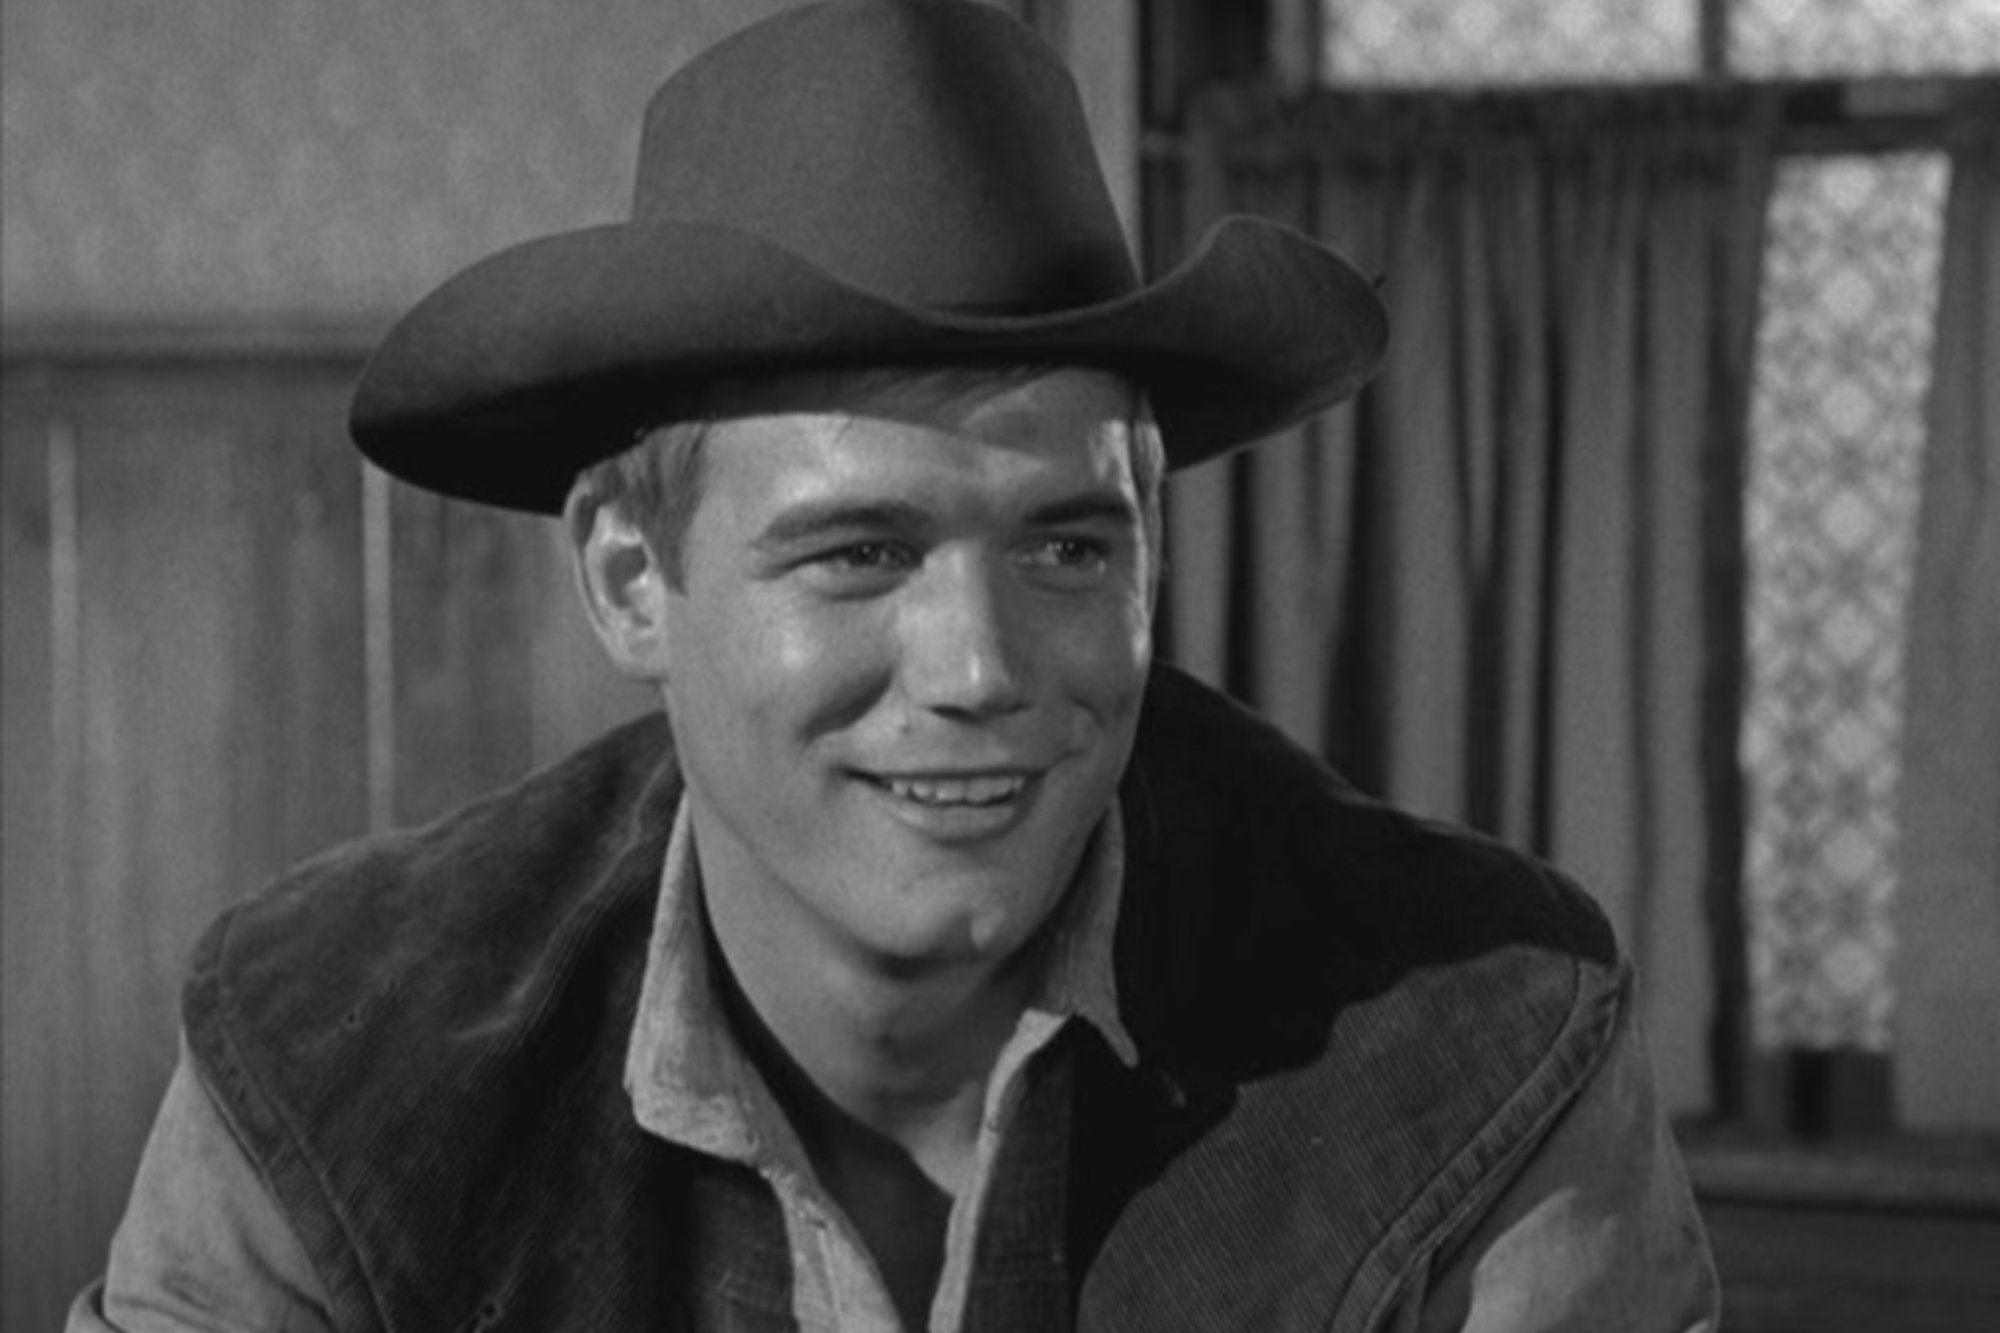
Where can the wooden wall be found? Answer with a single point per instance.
(227, 645)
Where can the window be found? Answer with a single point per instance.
(1852, 37)
(1489, 42)
(1385, 42)
(1850, 285)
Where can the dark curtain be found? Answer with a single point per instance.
(1948, 903)
(1504, 586)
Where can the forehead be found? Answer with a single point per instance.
(1061, 426)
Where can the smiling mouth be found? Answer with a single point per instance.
(947, 793)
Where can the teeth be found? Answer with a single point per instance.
(957, 791)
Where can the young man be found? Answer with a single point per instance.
(936, 961)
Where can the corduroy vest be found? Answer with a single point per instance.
(1354, 1025)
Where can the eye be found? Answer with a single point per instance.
(857, 568)
(865, 555)
(1068, 556)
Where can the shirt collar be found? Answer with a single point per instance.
(690, 1081)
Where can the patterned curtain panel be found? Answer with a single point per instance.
(1505, 585)
(1948, 914)
(1844, 349)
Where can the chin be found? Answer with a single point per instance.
(974, 929)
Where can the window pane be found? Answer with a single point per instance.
(1842, 37)
(1843, 365)
(1508, 41)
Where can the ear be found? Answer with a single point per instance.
(623, 586)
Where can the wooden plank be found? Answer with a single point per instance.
(495, 670)
(1934, 1174)
(219, 719)
(1807, 1270)
(218, 723)
(462, 705)
(31, 883)
(299, 713)
(150, 811)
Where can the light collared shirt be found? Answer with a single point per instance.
(693, 1084)
(204, 1244)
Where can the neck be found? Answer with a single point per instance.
(904, 1055)
(880, 1067)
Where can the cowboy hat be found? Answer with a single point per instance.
(852, 183)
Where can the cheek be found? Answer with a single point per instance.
(1107, 651)
(1139, 628)
(795, 669)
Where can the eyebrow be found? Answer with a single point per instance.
(816, 518)
(1106, 506)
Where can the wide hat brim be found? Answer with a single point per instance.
(529, 366)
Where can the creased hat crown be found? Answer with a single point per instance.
(852, 183)
(933, 153)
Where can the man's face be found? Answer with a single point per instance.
(905, 665)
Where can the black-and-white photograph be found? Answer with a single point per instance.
(1000, 666)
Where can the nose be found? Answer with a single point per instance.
(964, 654)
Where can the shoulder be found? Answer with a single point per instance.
(1596, 1221)
(1377, 1016)
(350, 956)
(500, 868)
(421, 998)
(1283, 928)
(1217, 796)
